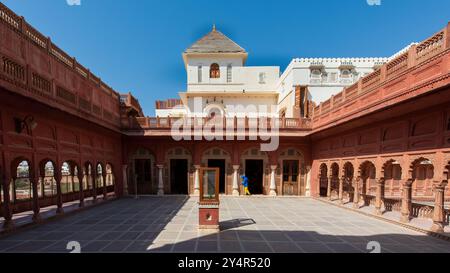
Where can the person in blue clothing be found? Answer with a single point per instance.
(245, 184)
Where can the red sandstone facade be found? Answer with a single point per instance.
(66, 136)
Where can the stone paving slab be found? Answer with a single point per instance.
(252, 224)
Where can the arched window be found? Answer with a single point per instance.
(316, 73)
(214, 71)
(109, 176)
(76, 182)
(48, 180)
(22, 183)
(99, 180)
(66, 178)
(345, 73)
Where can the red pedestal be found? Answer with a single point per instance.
(208, 215)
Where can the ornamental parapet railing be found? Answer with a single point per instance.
(33, 66)
(388, 81)
(144, 123)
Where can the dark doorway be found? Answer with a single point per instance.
(254, 170)
(143, 171)
(178, 176)
(219, 163)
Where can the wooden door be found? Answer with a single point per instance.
(290, 177)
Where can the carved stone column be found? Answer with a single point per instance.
(81, 176)
(379, 196)
(105, 191)
(330, 183)
(94, 185)
(125, 179)
(406, 201)
(197, 180)
(59, 201)
(273, 186)
(7, 211)
(341, 190)
(438, 212)
(308, 182)
(235, 180)
(34, 180)
(329, 187)
(356, 182)
(160, 179)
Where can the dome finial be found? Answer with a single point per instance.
(214, 27)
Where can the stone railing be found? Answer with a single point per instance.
(419, 210)
(31, 65)
(381, 85)
(140, 123)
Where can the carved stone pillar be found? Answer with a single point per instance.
(160, 179)
(235, 180)
(406, 201)
(34, 180)
(356, 182)
(197, 180)
(94, 185)
(438, 212)
(125, 179)
(329, 187)
(7, 211)
(105, 191)
(81, 176)
(341, 190)
(273, 186)
(59, 201)
(308, 182)
(379, 196)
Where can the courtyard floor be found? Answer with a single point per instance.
(254, 224)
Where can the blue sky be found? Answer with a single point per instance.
(136, 45)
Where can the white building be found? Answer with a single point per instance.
(218, 78)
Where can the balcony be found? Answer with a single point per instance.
(34, 67)
(423, 68)
(155, 123)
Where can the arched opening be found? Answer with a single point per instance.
(142, 172)
(422, 177)
(255, 166)
(293, 172)
(219, 158)
(368, 182)
(69, 179)
(47, 181)
(348, 181)
(178, 160)
(88, 184)
(334, 179)
(214, 71)
(392, 172)
(323, 180)
(22, 186)
(110, 179)
(421, 193)
(99, 181)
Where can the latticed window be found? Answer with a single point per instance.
(229, 73)
(214, 71)
(199, 73)
(316, 73)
